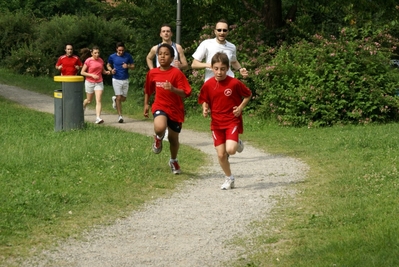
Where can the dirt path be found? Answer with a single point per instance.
(191, 227)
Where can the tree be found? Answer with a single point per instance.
(270, 12)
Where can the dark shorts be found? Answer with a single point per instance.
(173, 125)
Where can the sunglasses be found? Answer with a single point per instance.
(220, 30)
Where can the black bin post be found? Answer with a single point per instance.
(58, 110)
(72, 102)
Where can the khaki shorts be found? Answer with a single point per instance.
(120, 86)
(91, 87)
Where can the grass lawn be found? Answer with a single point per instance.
(56, 184)
(344, 214)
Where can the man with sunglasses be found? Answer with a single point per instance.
(208, 48)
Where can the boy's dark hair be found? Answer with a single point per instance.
(220, 57)
(168, 46)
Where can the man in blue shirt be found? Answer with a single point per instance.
(119, 64)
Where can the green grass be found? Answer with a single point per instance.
(55, 184)
(345, 212)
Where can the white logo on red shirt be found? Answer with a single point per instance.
(160, 84)
(228, 92)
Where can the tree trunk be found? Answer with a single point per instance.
(272, 14)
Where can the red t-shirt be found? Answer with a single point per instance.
(222, 97)
(165, 100)
(94, 66)
(69, 64)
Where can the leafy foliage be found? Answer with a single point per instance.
(329, 81)
(50, 8)
(52, 36)
(29, 60)
(284, 63)
(16, 30)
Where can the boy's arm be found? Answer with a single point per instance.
(146, 105)
(237, 111)
(205, 109)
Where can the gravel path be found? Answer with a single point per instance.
(191, 227)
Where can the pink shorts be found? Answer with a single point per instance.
(221, 135)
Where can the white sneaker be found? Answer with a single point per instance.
(120, 119)
(228, 184)
(240, 147)
(166, 134)
(114, 102)
(175, 167)
(157, 145)
(99, 121)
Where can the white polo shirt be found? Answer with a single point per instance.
(208, 48)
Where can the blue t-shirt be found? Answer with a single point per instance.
(117, 62)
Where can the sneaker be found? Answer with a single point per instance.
(228, 184)
(174, 166)
(240, 147)
(157, 145)
(120, 119)
(114, 102)
(166, 134)
(99, 121)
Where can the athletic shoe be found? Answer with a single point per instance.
(157, 145)
(166, 134)
(174, 166)
(114, 102)
(240, 147)
(120, 119)
(228, 184)
(99, 121)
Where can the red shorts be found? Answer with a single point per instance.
(221, 135)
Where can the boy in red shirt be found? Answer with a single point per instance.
(225, 97)
(68, 64)
(170, 86)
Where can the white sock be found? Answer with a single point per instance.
(173, 160)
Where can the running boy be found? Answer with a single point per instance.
(226, 98)
(170, 86)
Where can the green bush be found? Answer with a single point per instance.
(30, 61)
(80, 31)
(16, 30)
(329, 81)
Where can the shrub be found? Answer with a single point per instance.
(30, 61)
(80, 31)
(16, 30)
(328, 81)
